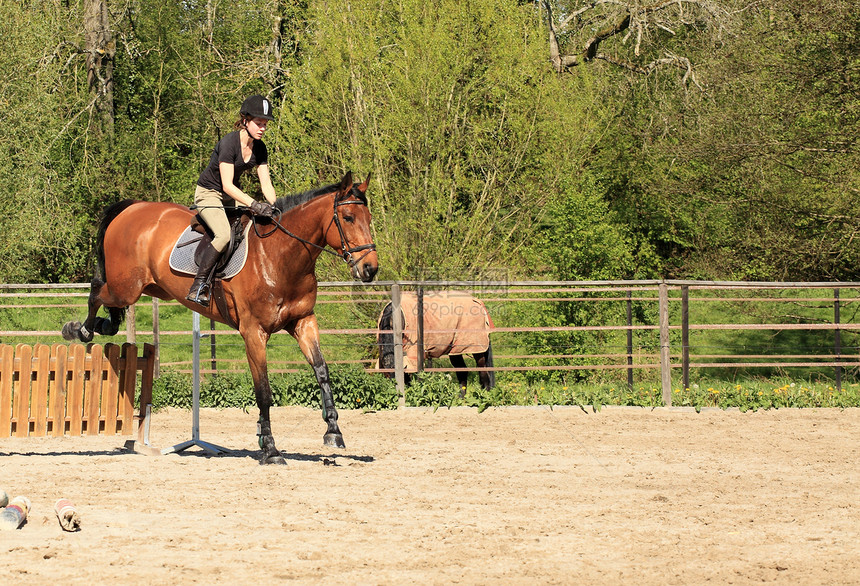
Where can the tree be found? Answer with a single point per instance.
(639, 35)
(754, 176)
(757, 176)
(476, 147)
(40, 230)
(446, 104)
(100, 51)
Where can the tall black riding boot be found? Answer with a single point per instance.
(199, 292)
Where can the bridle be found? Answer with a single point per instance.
(346, 250)
(346, 253)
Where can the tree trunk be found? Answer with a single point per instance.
(101, 49)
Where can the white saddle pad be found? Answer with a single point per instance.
(182, 255)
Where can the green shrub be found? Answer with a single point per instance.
(227, 390)
(432, 389)
(352, 388)
(172, 389)
(297, 388)
(175, 389)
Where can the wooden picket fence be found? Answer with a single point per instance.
(73, 389)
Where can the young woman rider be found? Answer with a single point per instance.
(218, 185)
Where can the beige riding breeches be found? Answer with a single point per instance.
(210, 204)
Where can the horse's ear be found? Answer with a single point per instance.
(346, 182)
(363, 187)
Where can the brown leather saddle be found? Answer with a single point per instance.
(239, 219)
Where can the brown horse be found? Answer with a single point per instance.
(455, 323)
(276, 290)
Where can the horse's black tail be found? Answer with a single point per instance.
(386, 340)
(491, 373)
(109, 215)
(117, 314)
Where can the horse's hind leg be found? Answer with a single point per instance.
(94, 324)
(485, 360)
(84, 331)
(462, 376)
(484, 376)
(100, 296)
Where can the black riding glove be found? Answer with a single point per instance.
(260, 208)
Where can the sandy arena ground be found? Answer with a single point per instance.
(513, 496)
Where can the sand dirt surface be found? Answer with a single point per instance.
(510, 495)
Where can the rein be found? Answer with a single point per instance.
(346, 253)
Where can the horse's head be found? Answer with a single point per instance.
(352, 237)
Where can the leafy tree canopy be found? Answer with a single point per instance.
(572, 140)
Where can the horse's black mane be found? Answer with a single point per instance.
(288, 202)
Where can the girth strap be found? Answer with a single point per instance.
(220, 299)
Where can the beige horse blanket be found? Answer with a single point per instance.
(454, 323)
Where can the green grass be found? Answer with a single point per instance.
(747, 395)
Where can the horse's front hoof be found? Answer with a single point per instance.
(275, 458)
(334, 440)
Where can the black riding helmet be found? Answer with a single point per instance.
(257, 107)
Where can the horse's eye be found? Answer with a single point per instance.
(349, 219)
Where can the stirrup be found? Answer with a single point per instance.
(200, 296)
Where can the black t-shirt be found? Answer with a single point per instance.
(229, 150)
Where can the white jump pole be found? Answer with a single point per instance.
(195, 402)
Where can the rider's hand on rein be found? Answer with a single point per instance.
(260, 208)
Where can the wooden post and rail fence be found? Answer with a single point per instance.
(669, 346)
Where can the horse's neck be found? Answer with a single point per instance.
(309, 220)
(303, 236)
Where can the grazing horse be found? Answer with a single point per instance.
(455, 323)
(276, 290)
